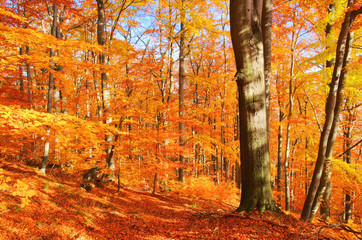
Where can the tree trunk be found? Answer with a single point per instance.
(267, 19)
(216, 166)
(119, 175)
(280, 155)
(224, 163)
(233, 174)
(181, 175)
(290, 114)
(21, 78)
(325, 208)
(347, 158)
(101, 39)
(280, 143)
(326, 173)
(50, 89)
(227, 170)
(28, 77)
(247, 40)
(325, 185)
(334, 99)
(155, 184)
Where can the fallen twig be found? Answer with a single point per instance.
(206, 214)
(5, 211)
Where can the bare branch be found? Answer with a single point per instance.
(315, 112)
(340, 155)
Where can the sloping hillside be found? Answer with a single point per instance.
(60, 209)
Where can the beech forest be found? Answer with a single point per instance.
(180, 119)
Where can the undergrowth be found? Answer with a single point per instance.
(205, 188)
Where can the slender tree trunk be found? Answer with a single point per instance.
(171, 61)
(347, 157)
(155, 184)
(280, 155)
(306, 146)
(246, 35)
(216, 166)
(96, 88)
(331, 122)
(101, 39)
(119, 175)
(28, 77)
(50, 90)
(182, 92)
(21, 76)
(233, 174)
(288, 137)
(227, 170)
(267, 19)
(280, 142)
(224, 163)
(324, 187)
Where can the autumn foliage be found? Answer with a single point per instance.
(120, 101)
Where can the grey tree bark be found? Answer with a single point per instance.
(280, 141)
(325, 207)
(333, 106)
(181, 174)
(288, 137)
(267, 19)
(347, 157)
(246, 34)
(101, 40)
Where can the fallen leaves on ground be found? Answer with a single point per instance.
(60, 209)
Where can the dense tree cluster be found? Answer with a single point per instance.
(147, 91)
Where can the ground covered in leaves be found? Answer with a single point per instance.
(60, 209)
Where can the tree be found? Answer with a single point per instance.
(54, 30)
(333, 107)
(247, 39)
(182, 90)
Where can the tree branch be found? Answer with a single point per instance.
(349, 148)
(315, 112)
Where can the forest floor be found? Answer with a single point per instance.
(60, 209)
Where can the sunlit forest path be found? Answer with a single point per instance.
(60, 209)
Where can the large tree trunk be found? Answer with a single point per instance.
(246, 35)
(333, 107)
(325, 208)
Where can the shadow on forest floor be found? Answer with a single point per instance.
(60, 209)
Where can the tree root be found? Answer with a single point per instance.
(339, 227)
(242, 215)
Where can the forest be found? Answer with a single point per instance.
(175, 119)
